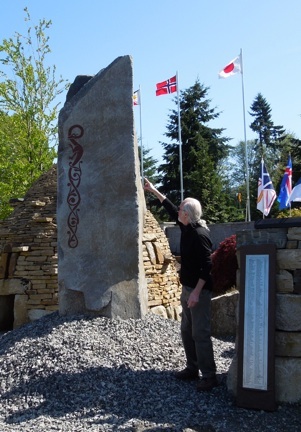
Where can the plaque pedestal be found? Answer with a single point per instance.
(256, 334)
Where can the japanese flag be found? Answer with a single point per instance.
(232, 68)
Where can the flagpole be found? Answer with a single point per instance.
(141, 145)
(180, 141)
(248, 210)
(262, 184)
(291, 184)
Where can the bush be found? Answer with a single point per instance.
(295, 212)
(224, 266)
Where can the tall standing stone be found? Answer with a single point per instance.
(101, 203)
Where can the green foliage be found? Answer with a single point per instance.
(28, 112)
(294, 212)
(14, 175)
(236, 166)
(269, 135)
(268, 146)
(203, 150)
(294, 147)
(274, 145)
(224, 266)
(149, 165)
(150, 172)
(290, 146)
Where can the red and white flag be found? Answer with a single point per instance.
(166, 87)
(232, 68)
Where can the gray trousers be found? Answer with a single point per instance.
(196, 333)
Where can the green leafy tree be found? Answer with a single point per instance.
(28, 112)
(203, 150)
(13, 183)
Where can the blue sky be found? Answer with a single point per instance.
(195, 38)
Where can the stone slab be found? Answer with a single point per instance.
(288, 344)
(284, 282)
(13, 286)
(278, 223)
(288, 379)
(35, 314)
(20, 310)
(223, 314)
(262, 236)
(289, 259)
(101, 202)
(288, 312)
(294, 233)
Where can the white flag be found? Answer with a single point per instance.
(296, 192)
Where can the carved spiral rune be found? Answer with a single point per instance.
(74, 175)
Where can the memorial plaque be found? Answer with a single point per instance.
(256, 322)
(256, 364)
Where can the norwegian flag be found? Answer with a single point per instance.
(266, 192)
(166, 87)
(286, 186)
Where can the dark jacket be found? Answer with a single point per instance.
(196, 249)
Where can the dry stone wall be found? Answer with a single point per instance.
(28, 247)
(160, 266)
(29, 263)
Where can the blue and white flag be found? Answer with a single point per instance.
(266, 193)
(286, 186)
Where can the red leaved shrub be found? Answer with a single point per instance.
(224, 266)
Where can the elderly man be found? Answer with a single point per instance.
(195, 277)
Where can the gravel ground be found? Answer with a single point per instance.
(97, 374)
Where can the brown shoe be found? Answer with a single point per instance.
(207, 384)
(187, 374)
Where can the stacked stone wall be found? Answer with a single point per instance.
(28, 246)
(29, 261)
(288, 308)
(160, 266)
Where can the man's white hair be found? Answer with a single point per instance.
(194, 210)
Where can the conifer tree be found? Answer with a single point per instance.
(203, 151)
(151, 173)
(268, 143)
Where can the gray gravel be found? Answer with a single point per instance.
(81, 374)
